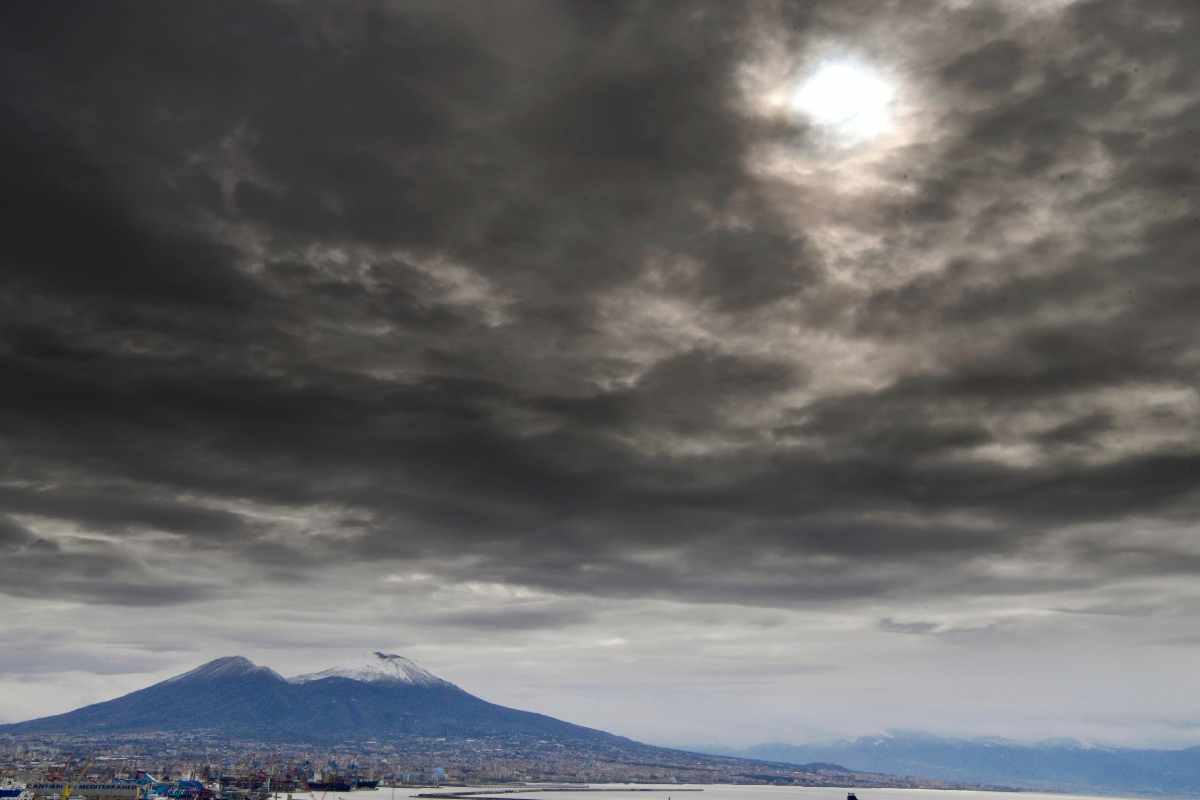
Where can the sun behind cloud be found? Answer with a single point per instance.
(849, 99)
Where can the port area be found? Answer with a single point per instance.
(490, 794)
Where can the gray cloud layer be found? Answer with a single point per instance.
(535, 295)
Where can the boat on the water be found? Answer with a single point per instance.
(334, 778)
(332, 785)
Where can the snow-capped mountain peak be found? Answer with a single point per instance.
(379, 668)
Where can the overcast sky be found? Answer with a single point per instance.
(706, 372)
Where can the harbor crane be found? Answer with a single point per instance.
(68, 784)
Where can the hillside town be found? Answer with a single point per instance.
(202, 768)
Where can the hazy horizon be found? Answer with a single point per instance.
(696, 371)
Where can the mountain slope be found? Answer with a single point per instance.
(232, 690)
(1057, 765)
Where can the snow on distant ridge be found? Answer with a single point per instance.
(379, 668)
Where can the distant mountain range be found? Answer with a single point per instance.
(1053, 765)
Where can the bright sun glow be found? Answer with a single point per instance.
(849, 100)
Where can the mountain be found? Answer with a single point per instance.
(391, 702)
(1060, 765)
(387, 695)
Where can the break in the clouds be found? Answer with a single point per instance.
(790, 346)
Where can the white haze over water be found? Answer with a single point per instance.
(714, 792)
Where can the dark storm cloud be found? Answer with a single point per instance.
(510, 283)
(511, 619)
(994, 67)
(105, 511)
(88, 570)
(13, 535)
